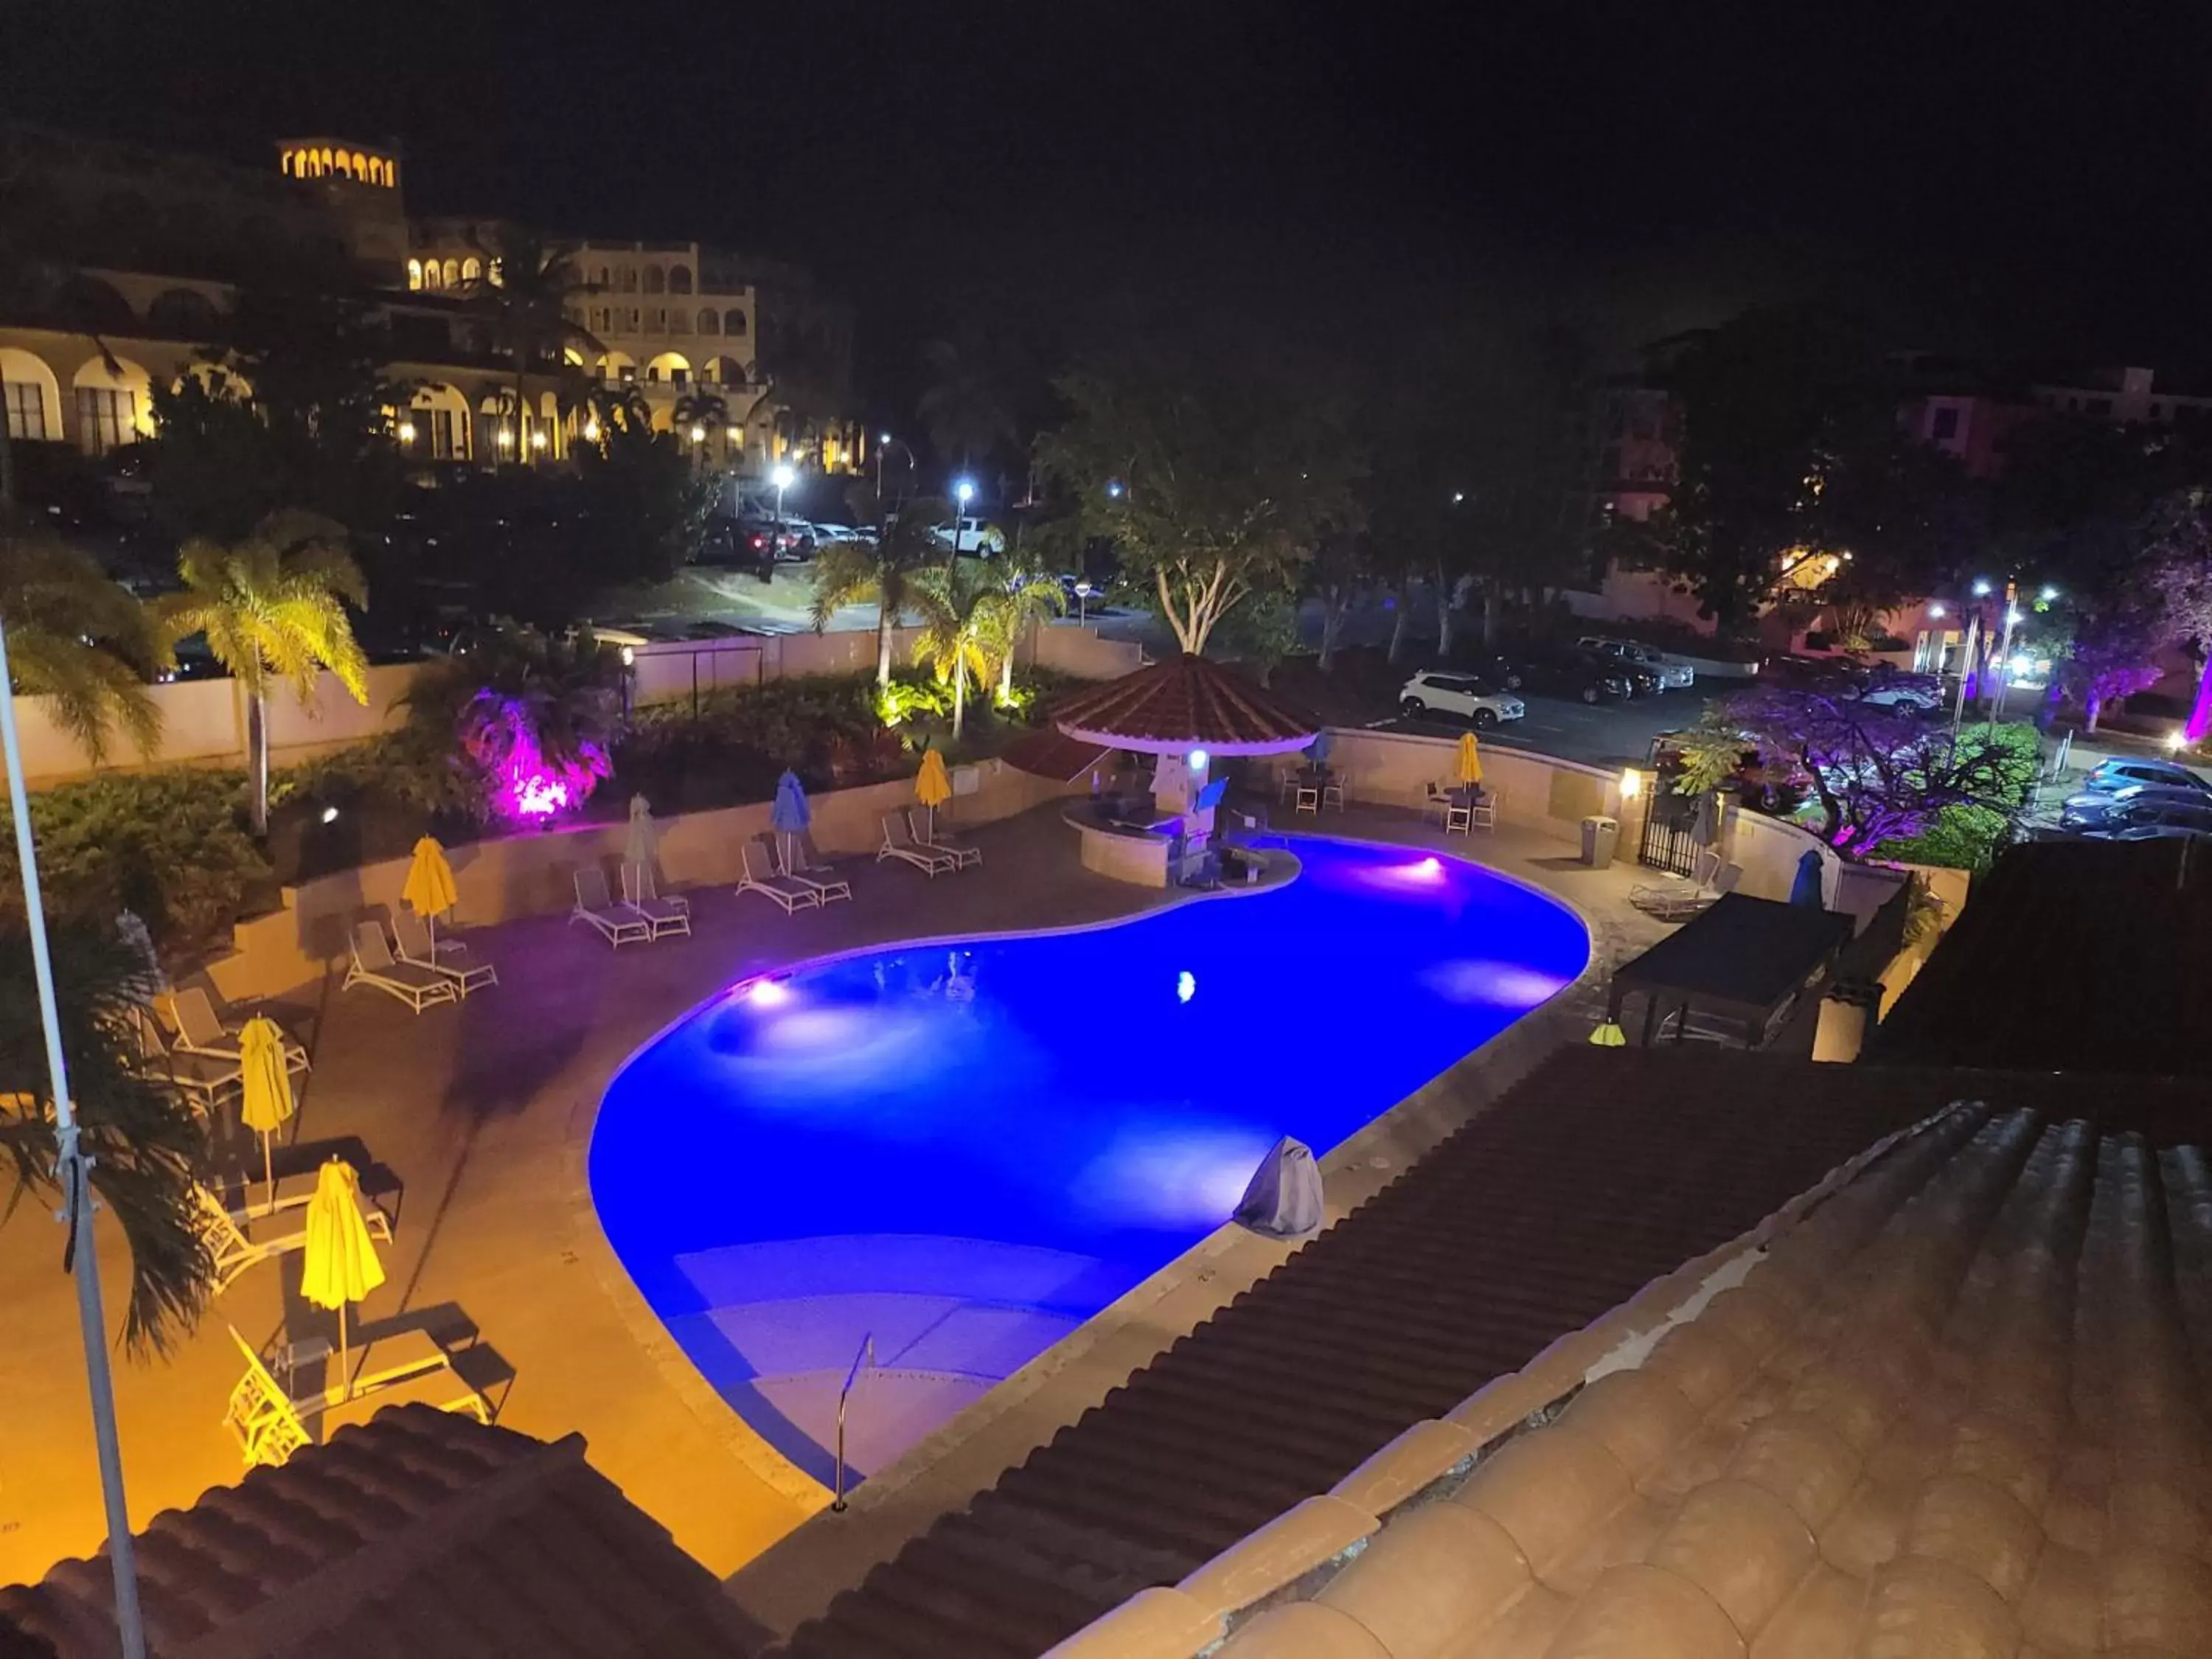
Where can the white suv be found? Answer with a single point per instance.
(1433, 691)
(1673, 676)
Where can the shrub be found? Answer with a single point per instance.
(169, 845)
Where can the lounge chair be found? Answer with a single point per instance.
(1670, 889)
(667, 915)
(199, 1032)
(937, 842)
(761, 877)
(899, 843)
(802, 865)
(204, 1079)
(617, 924)
(380, 1191)
(373, 964)
(232, 1250)
(269, 1422)
(1686, 902)
(447, 958)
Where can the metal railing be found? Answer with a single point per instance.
(863, 1359)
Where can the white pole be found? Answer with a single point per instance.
(75, 1171)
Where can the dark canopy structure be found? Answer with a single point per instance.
(1187, 703)
(1743, 960)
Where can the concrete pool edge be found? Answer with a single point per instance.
(660, 1345)
(794, 1579)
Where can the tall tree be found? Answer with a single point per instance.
(884, 570)
(1212, 470)
(79, 640)
(966, 408)
(955, 599)
(145, 1144)
(273, 605)
(524, 296)
(1027, 596)
(698, 415)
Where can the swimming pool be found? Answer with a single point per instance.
(963, 1151)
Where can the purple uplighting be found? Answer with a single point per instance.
(532, 788)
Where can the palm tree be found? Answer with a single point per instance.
(145, 1143)
(524, 293)
(703, 412)
(79, 640)
(1024, 597)
(273, 603)
(847, 572)
(956, 603)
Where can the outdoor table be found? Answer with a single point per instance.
(1745, 960)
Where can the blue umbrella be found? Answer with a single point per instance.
(1806, 888)
(790, 815)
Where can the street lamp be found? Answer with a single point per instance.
(1116, 490)
(781, 478)
(698, 434)
(963, 491)
(407, 432)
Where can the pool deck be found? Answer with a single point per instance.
(484, 1111)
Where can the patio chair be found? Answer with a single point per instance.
(1671, 888)
(1482, 810)
(1332, 791)
(1436, 799)
(899, 843)
(667, 915)
(373, 964)
(199, 1032)
(232, 1251)
(203, 1079)
(1684, 905)
(269, 1422)
(803, 864)
(931, 837)
(761, 877)
(617, 924)
(447, 958)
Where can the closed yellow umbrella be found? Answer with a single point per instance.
(429, 891)
(265, 1102)
(339, 1267)
(1609, 1036)
(1470, 760)
(931, 787)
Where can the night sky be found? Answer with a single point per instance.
(1977, 180)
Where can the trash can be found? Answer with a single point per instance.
(1600, 836)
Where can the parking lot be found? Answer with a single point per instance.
(1604, 734)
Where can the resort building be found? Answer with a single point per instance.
(127, 263)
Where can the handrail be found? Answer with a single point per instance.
(866, 1356)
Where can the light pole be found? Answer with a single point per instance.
(963, 491)
(1966, 658)
(781, 478)
(74, 1170)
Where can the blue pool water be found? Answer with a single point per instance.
(963, 1151)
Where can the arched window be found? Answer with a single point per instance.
(603, 281)
(328, 165)
(709, 322)
(471, 270)
(452, 274)
(415, 273)
(183, 313)
(626, 280)
(359, 167)
(284, 162)
(679, 279)
(654, 282)
(734, 324)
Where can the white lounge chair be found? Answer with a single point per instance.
(448, 958)
(617, 924)
(761, 877)
(269, 1422)
(373, 964)
(802, 865)
(200, 1031)
(668, 915)
(232, 1251)
(295, 1191)
(937, 842)
(204, 1079)
(1680, 903)
(899, 843)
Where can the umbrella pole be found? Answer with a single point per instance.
(268, 1172)
(345, 1370)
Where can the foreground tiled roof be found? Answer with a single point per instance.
(2075, 956)
(417, 1535)
(1601, 1171)
(1047, 753)
(1187, 703)
(1956, 1409)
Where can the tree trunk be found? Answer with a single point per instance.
(1332, 607)
(1403, 592)
(1490, 597)
(257, 740)
(2092, 706)
(959, 695)
(1443, 617)
(1007, 676)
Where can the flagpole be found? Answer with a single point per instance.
(74, 1169)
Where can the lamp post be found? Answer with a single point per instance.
(963, 491)
(74, 1170)
(781, 478)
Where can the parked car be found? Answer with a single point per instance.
(974, 537)
(2142, 820)
(2176, 828)
(2093, 808)
(1672, 676)
(1434, 691)
(1585, 679)
(2121, 773)
(1904, 694)
(826, 533)
(1497, 670)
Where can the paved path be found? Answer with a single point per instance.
(484, 1110)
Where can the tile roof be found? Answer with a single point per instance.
(1187, 703)
(2075, 956)
(1532, 1220)
(1954, 1407)
(420, 1533)
(1048, 754)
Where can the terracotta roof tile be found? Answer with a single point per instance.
(1187, 703)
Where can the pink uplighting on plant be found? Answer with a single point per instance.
(538, 797)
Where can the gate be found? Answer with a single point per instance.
(1670, 839)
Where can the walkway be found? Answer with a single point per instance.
(484, 1111)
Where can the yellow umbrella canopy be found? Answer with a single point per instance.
(339, 1267)
(931, 787)
(265, 1086)
(1609, 1036)
(429, 890)
(1470, 760)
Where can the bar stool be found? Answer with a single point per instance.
(1332, 793)
(1308, 800)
